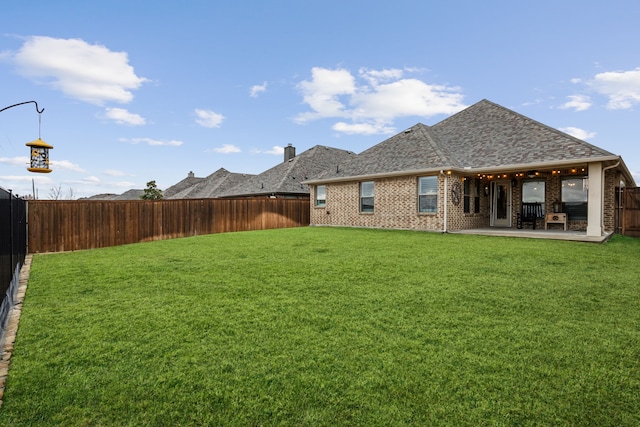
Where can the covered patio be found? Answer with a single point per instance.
(555, 234)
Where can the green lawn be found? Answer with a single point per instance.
(331, 327)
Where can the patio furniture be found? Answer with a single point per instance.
(555, 218)
(530, 212)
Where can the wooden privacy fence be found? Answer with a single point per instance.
(630, 217)
(69, 225)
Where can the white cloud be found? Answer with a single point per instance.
(276, 150)
(375, 77)
(15, 161)
(91, 179)
(124, 117)
(407, 97)
(66, 165)
(114, 172)
(55, 164)
(153, 142)
(577, 103)
(362, 128)
(83, 71)
(257, 89)
(375, 100)
(227, 149)
(37, 179)
(621, 87)
(578, 133)
(323, 91)
(209, 119)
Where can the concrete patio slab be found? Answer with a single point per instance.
(577, 236)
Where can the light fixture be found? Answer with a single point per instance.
(38, 149)
(532, 174)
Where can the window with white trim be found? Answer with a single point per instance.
(366, 196)
(471, 195)
(321, 196)
(575, 191)
(428, 194)
(533, 191)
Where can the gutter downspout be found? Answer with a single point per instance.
(602, 178)
(446, 192)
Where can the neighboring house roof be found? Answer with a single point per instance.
(132, 194)
(288, 176)
(484, 136)
(185, 185)
(102, 196)
(202, 188)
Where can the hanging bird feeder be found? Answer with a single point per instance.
(39, 150)
(39, 156)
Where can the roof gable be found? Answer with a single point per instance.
(488, 135)
(413, 149)
(210, 187)
(287, 177)
(183, 186)
(484, 135)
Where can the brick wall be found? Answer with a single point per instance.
(396, 206)
(611, 181)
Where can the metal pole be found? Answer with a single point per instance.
(22, 103)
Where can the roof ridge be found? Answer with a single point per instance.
(292, 162)
(557, 131)
(436, 144)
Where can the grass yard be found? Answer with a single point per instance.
(331, 327)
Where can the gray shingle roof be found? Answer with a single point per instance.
(184, 186)
(488, 135)
(484, 135)
(287, 177)
(212, 186)
(133, 194)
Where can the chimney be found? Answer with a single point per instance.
(190, 175)
(289, 152)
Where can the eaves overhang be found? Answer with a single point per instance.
(478, 170)
(537, 165)
(263, 194)
(428, 171)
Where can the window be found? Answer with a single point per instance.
(574, 197)
(428, 194)
(471, 195)
(533, 192)
(366, 196)
(321, 195)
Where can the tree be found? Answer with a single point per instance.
(152, 192)
(56, 193)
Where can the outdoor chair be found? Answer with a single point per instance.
(530, 212)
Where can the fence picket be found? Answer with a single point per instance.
(68, 225)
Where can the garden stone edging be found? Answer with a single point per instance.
(12, 326)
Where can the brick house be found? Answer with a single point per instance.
(486, 166)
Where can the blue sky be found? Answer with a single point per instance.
(136, 91)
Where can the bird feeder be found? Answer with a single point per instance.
(39, 156)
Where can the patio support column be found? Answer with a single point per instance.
(594, 200)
